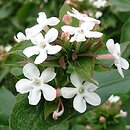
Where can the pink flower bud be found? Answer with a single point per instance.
(65, 36)
(67, 19)
(102, 119)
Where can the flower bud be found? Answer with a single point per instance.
(102, 119)
(88, 127)
(65, 36)
(67, 19)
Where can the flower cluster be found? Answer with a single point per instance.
(43, 39)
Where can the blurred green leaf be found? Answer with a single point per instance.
(6, 10)
(4, 128)
(120, 5)
(125, 32)
(6, 105)
(79, 127)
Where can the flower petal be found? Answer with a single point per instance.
(87, 25)
(76, 80)
(69, 29)
(111, 46)
(93, 34)
(92, 98)
(41, 57)
(24, 86)
(120, 70)
(53, 49)
(38, 39)
(30, 51)
(20, 37)
(49, 92)
(68, 92)
(52, 21)
(33, 31)
(118, 48)
(90, 86)
(34, 96)
(80, 38)
(124, 63)
(79, 104)
(42, 18)
(51, 35)
(31, 71)
(48, 75)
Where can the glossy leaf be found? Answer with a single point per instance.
(6, 105)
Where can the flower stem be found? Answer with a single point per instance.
(77, 47)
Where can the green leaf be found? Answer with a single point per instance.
(17, 71)
(64, 10)
(4, 70)
(83, 66)
(19, 47)
(120, 5)
(6, 105)
(64, 126)
(79, 127)
(125, 32)
(49, 108)
(27, 117)
(111, 82)
(4, 127)
(6, 10)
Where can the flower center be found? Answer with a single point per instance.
(81, 89)
(42, 45)
(81, 31)
(37, 82)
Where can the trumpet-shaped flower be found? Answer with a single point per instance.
(115, 51)
(82, 17)
(82, 32)
(42, 47)
(84, 92)
(36, 84)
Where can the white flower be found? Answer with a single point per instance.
(20, 37)
(43, 21)
(7, 48)
(84, 92)
(99, 3)
(36, 84)
(120, 62)
(82, 17)
(123, 113)
(82, 32)
(36, 29)
(42, 47)
(113, 99)
(98, 14)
